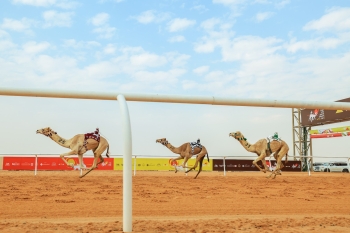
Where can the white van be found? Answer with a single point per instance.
(319, 167)
(337, 166)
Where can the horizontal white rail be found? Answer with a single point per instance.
(212, 100)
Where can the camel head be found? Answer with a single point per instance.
(237, 135)
(46, 131)
(162, 141)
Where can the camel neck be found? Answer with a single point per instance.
(246, 144)
(173, 149)
(60, 141)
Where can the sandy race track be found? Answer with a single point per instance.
(169, 202)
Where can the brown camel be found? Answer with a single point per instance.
(79, 146)
(262, 148)
(185, 151)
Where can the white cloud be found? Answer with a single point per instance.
(33, 47)
(208, 43)
(200, 8)
(151, 16)
(109, 49)
(102, 27)
(201, 70)
(180, 24)
(209, 24)
(337, 19)
(177, 39)
(66, 4)
(35, 2)
(261, 16)
(146, 17)
(147, 59)
(164, 77)
(249, 48)
(179, 60)
(319, 43)
(105, 32)
(282, 4)
(17, 25)
(117, 1)
(229, 2)
(80, 44)
(100, 19)
(57, 19)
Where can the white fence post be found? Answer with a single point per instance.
(127, 165)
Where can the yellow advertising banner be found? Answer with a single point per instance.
(156, 164)
(330, 130)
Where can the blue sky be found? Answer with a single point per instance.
(273, 49)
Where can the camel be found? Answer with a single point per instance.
(262, 148)
(78, 146)
(186, 152)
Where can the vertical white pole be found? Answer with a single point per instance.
(224, 167)
(308, 166)
(127, 165)
(135, 165)
(36, 165)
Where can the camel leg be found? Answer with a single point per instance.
(94, 165)
(81, 163)
(101, 160)
(67, 154)
(180, 157)
(200, 166)
(278, 167)
(266, 168)
(260, 157)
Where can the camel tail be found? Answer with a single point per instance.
(107, 153)
(208, 157)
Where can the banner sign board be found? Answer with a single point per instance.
(51, 163)
(247, 165)
(314, 117)
(159, 164)
(329, 135)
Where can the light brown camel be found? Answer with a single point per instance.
(79, 146)
(262, 148)
(185, 152)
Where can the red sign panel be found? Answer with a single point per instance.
(18, 163)
(51, 163)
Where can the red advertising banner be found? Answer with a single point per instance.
(18, 163)
(51, 163)
(330, 135)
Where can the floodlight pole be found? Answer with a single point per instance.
(127, 165)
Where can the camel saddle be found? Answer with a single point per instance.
(195, 144)
(94, 135)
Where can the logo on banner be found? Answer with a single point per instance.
(173, 162)
(316, 114)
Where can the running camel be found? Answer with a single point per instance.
(186, 151)
(263, 148)
(80, 144)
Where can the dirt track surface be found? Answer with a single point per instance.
(169, 202)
